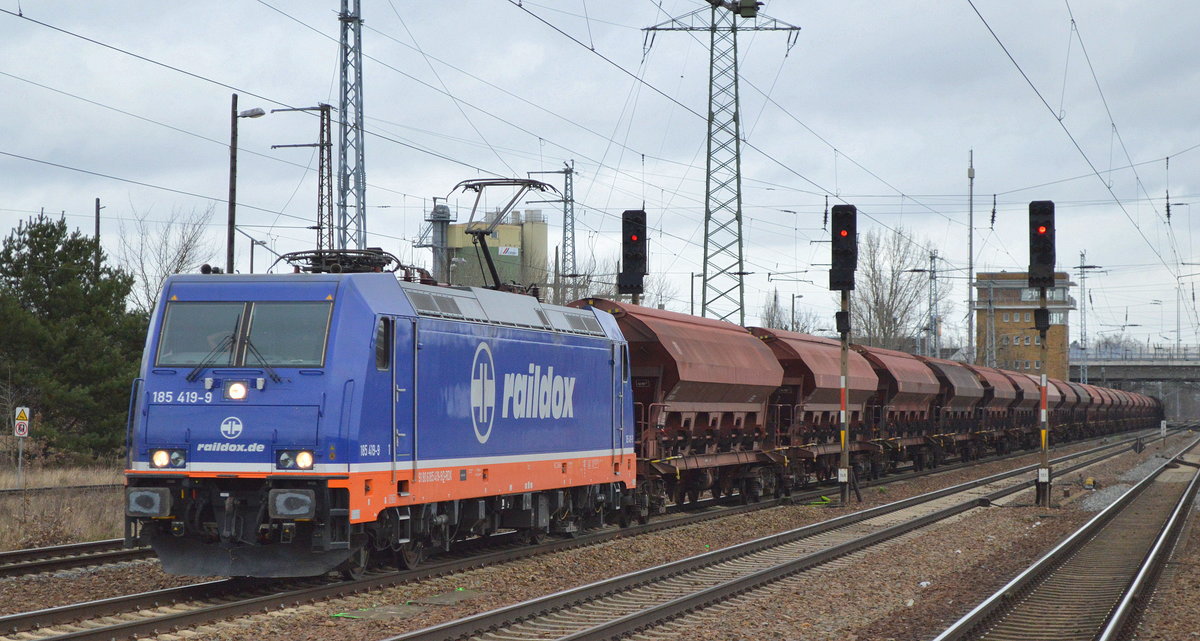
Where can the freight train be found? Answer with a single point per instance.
(296, 424)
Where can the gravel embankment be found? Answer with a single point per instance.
(876, 596)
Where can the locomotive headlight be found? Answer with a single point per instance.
(168, 458)
(160, 458)
(235, 390)
(304, 460)
(294, 460)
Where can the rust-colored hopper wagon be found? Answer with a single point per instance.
(807, 407)
(700, 391)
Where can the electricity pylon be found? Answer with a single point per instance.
(724, 275)
(352, 176)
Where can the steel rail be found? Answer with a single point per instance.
(1017, 588)
(686, 515)
(10, 491)
(1135, 596)
(33, 560)
(477, 624)
(74, 555)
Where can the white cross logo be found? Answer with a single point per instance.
(231, 427)
(483, 392)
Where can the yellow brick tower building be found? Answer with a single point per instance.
(1004, 334)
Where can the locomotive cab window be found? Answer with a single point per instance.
(383, 344)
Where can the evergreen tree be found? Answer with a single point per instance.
(71, 348)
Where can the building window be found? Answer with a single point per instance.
(1027, 339)
(1037, 365)
(1028, 317)
(1031, 294)
(1026, 364)
(1037, 340)
(1004, 340)
(1004, 317)
(1058, 318)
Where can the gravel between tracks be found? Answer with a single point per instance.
(878, 596)
(22, 594)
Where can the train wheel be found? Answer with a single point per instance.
(410, 555)
(531, 536)
(353, 568)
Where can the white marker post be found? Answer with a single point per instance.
(21, 431)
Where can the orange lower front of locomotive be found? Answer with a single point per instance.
(374, 490)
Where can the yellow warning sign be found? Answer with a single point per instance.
(22, 414)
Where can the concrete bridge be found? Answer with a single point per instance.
(1174, 380)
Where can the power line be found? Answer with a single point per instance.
(1067, 131)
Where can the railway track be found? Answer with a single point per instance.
(164, 610)
(108, 551)
(19, 491)
(639, 601)
(74, 555)
(1092, 585)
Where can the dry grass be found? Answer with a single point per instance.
(47, 476)
(54, 518)
(38, 519)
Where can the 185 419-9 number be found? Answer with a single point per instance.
(181, 397)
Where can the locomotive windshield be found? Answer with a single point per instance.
(237, 334)
(195, 332)
(288, 334)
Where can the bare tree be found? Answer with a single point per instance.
(778, 316)
(808, 321)
(887, 304)
(151, 251)
(773, 315)
(660, 292)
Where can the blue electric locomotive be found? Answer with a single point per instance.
(289, 425)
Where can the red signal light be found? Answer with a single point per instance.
(633, 238)
(843, 233)
(1041, 229)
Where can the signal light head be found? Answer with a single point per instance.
(1041, 229)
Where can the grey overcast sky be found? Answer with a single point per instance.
(878, 104)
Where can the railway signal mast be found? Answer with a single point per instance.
(634, 261)
(844, 254)
(1041, 276)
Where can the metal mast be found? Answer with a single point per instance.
(324, 174)
(567, 268)
(723, 294)
(352, 177)
(971, 257)
(1083, 268)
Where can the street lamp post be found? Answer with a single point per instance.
(233, 122)
(692, 291)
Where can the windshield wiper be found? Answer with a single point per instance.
(211, 357)
(262, 361)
